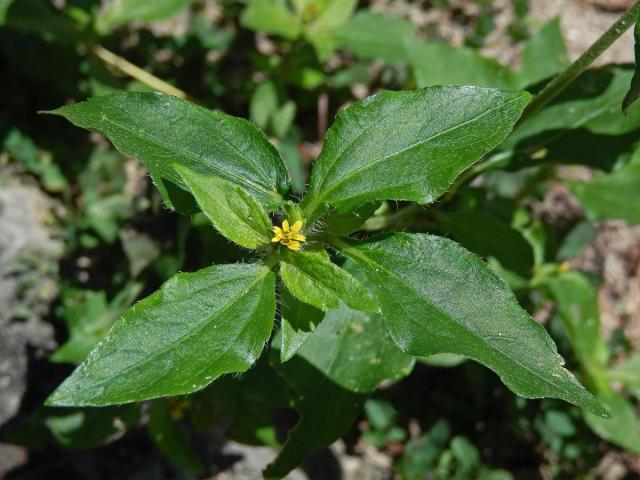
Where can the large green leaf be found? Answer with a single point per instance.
(444, 64)
(122, 11)
(408, 145)
(435, 297)
(344, 359)
(314, 279)
(197, 327)
(235, 213)
(577, 304)
(162, 130)
(373, 35)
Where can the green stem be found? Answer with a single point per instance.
(555, 88)
(138, 73)
(562, 81)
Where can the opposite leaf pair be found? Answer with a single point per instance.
(433, 295)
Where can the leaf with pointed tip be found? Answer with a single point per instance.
(314, 279)
(235, 213)
(437, 297)
(197, 327)
(342, 361)
(162, 130)
(408, 145)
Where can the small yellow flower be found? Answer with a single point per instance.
(289, 236)
(564, 267)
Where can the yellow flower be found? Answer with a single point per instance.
(564, 267)
(289, 236)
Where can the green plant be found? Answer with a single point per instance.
(432, 294)
(333, 296)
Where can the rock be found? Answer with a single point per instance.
(29, 255)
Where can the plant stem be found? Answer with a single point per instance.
(573, 71)
(138, 73)
(556, 87)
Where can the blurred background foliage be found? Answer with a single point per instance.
(83, 233)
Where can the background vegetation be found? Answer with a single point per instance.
(83, 233)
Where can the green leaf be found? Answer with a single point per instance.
(623, 428)
(599, 115)
(320, 32)
(343, 360)
(343, 224)
(299, 320)
(282, 118)
(437, 297)
(88, 318)
(607, 195)
(578, 238)
(235, 213)
(119, 12)
(444, 64)
(272, 16)
(634, 89)
(41, 18)
(171, 438)
(314, 279)
(4, 7)
(408, 145)
(372, 35)
(197, 327)
(249, 398)
(162, 130)
(264, 102)
(577, 304)
(544, 54)
(84, 429)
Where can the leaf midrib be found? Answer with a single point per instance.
(347, 177)
(445, 314)
(192, 332)
(195, 158)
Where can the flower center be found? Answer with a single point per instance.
(290, 236)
